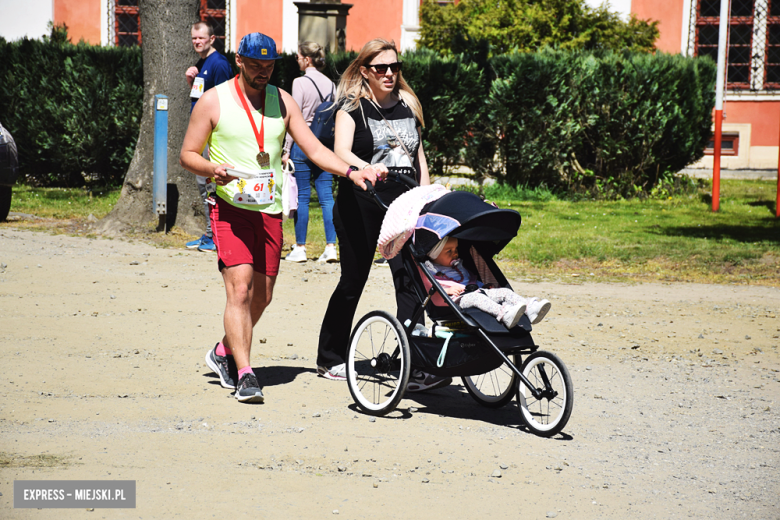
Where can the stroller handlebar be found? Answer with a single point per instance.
(407, 181)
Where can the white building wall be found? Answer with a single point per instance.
(621, 6)
(410, 28)
(289, 26)
(25, 18)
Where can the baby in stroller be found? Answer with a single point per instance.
(467, 291)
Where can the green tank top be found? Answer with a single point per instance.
(233, 142)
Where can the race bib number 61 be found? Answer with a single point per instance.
(256, 190)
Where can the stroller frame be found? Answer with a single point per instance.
(377, 381)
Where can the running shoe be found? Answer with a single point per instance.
(248, 389)
(207, 244)
(420, 381)
(195, 244)
(224, 367)
(298, 254)
(330, 255)
(337, 373)
(381, 262)
(537, 310)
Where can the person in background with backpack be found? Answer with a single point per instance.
(310, 91)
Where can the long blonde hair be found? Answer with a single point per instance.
(354, 86)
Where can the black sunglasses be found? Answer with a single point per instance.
(381, 68)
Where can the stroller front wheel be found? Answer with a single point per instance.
(378, 363)
(549, 414)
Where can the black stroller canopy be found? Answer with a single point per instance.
(464, 215)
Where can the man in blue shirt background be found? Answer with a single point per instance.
(211, 70)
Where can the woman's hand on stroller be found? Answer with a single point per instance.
(371, 173)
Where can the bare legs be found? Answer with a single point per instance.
(248, 295)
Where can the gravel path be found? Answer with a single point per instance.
(675, 413)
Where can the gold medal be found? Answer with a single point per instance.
(264, 160)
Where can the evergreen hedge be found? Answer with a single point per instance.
(603, 123)
(611, 124)
(72, 109)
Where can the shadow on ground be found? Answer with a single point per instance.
(269, 376)
(736, 232)
(454, 402)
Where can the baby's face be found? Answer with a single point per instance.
(449, 254)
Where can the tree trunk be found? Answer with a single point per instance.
(167, 52)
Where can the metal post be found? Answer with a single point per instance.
(777, 200)
(723, 27)
(160, 185)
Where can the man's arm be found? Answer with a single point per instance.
(190, 75)
(203, 119)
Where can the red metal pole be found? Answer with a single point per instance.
(777, 201)
(716, 161)
(720, 89)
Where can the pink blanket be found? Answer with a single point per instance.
(401, 217)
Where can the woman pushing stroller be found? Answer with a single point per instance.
(378, 125)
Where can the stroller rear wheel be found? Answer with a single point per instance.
(378, 363)
(493, 389)
(549, 414)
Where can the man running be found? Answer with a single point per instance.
(244, 122)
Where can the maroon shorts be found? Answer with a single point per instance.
(247, 237)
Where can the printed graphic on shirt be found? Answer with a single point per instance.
(387, 147)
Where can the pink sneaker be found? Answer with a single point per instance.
(337, 373)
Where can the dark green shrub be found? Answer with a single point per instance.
(71, 108)
(600, 124)
(451, 91)
(609, 124)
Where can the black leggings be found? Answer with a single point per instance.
(358, 220)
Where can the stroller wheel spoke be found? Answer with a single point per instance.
(493, 389)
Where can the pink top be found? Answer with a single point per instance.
(304, 93)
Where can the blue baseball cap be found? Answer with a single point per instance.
(258, 46)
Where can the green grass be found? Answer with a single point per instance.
(315, 237)
(63, 203)
(638, 231)
(673, 239)
(677, 238)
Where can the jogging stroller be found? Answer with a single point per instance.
(495, 364)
